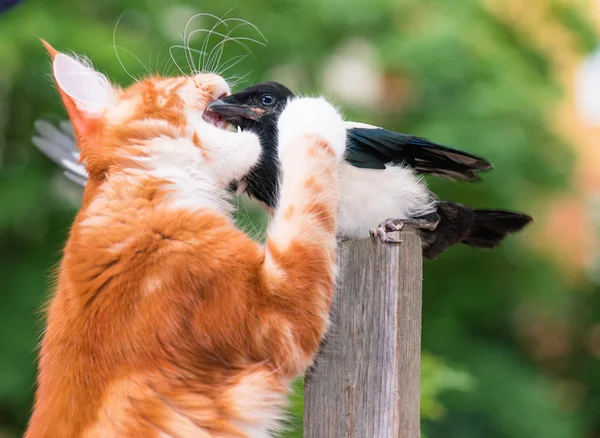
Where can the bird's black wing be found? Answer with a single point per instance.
(375, 147)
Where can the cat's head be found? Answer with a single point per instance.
(155, 122)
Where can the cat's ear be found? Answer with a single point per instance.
(85, 92)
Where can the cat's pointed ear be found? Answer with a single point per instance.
(85, 92)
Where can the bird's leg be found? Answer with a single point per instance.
(427, 222)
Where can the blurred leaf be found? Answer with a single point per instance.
(436, 379)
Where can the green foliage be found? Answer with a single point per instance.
(437, 378)
(473, 82)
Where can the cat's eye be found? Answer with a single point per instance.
(267, 99)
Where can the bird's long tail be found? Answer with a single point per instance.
(490, 227)
(478, 228)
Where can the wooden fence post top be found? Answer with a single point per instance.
(365, 383)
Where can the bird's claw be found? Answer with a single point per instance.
(428, 222)
(380, 234)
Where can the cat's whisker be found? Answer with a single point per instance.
(232, 62)
(224, 22)
(243, 38)
(248, 23)
(232, 81)
(210, 61)
(237, 40)
(204, 46)
(172, 72)
(177, 46)
(188, 56)
(240, 79)
(253, 26)
(220, 47)
(135, 57)
(164, 65)
(115, 48)
(175, 62)
(172, 50)
(186, 39)
(159, 63)
(150, 57)
(157, 57)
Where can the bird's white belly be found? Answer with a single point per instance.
(369, 196)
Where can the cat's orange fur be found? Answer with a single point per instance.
(167, 321)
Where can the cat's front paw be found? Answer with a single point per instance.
(305, 116)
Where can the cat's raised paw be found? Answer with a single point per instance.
(307, 115)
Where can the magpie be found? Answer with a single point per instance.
(380, 177)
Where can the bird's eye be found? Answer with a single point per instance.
(267, 99)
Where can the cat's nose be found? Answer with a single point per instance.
(213, 86)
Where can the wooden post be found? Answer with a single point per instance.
(365, 383)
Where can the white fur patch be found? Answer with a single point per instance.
(311, 116)
(91, 91)
(259, 409)
(95, 221)
(199, 176)
(370, 196)
(231, 154)
(151, 284)
(191, 182)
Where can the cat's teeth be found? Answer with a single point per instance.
(239, 130)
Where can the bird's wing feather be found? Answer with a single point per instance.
(58, 144)
(370, 146)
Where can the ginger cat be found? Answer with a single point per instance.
(167, 321)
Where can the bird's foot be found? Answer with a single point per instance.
(427, 222)
(381, 234)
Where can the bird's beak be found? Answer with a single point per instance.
(231, 110)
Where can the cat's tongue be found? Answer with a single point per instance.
(215, 119)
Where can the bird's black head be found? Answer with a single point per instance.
(257, 109)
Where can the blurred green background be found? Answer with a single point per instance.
(511, 338)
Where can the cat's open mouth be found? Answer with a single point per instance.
(217, 120)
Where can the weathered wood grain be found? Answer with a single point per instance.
(365, 383)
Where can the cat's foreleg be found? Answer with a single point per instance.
(299, 262)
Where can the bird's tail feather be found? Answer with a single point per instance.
(490, 227)
(477, 228)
